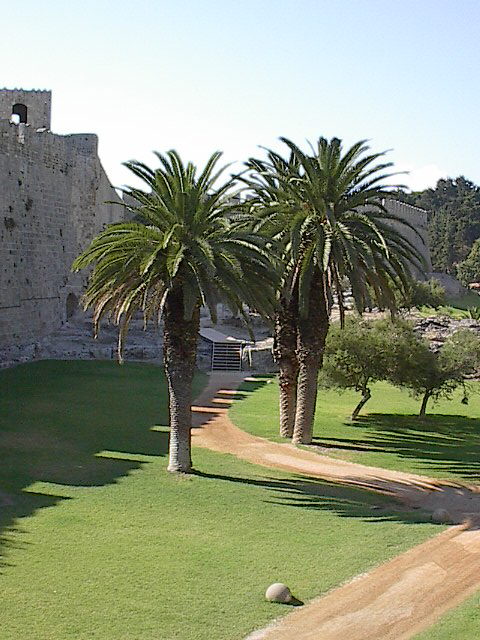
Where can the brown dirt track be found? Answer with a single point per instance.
(397, 599)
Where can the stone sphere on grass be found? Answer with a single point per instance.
(278, 592)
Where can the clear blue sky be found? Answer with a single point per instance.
(201, 75)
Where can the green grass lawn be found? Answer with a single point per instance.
(388, 433)
(98, 541)
(462, 623)
(452, 311)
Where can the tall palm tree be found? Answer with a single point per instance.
(182, 250)
(330, 211)
(271, 212)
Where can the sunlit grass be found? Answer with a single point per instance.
(388, 433)
(462, 623)
(98, 541)
(456, 308)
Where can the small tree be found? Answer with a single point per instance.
(429, 293)
(357, 356)
(433, 375)
(365, 352)
(469, 269)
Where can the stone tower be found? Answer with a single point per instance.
(54, 198)
(29, 107)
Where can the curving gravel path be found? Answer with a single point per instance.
(397, 599)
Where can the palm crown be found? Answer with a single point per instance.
(184, 236)
(329, 210)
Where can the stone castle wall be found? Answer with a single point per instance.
(417, 218)
(53, 193)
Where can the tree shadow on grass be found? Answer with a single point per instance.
(12, 508)
(306, 492)
(444, 443)
(79, 424)
(250, 384)
(225, 397)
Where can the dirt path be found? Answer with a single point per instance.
(397, 599)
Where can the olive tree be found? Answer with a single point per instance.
(363, 353)
(431, 375)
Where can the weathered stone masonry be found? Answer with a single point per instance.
(53, 194)
(417, 218)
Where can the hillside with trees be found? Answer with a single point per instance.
(453, 208)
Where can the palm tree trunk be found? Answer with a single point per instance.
(284, 352)
(311, 335)
(180, 349)
(423, 408)
(288, 377)
(366, 395)
(306, 400)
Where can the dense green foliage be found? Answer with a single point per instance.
(429, 374)
(366, 352)
(182, 238)
(445, 444)
(418, 294)
(328, 209)
(357, 356)
(474, 313)
(97, 541)
(469, 270)
(453, 208)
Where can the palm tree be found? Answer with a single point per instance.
(272, 212)
(182, 250)
(331, 207)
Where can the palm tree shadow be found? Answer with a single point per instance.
(14, 507)
(207, 409)
(248, 386)
(353, 500)
(443, 443)
(372, 499)
(78, 424)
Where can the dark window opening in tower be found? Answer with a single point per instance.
(19, 110)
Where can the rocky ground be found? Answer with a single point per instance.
(438, 329)
(74, 340)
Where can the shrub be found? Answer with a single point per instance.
(365, 352)
(359, 355)
(474, 313)
(433, 375)
(469, 269)
(429, 293)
